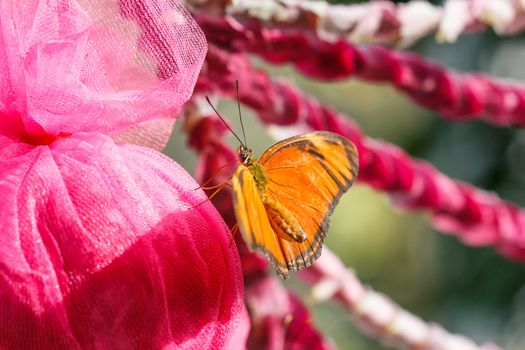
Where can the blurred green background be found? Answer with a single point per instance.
(471, 291)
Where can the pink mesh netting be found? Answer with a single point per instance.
(95, 65)
(153, 134)
(104, 245)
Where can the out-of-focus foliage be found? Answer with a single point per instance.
(472, 291)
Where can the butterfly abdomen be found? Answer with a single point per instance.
(282, 220)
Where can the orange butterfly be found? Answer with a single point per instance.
(283, 201)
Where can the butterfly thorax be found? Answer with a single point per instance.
(257, 170)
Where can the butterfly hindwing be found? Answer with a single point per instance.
(307, 175)
(253, 220)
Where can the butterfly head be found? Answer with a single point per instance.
(246, 155)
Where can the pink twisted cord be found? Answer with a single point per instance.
(476, 216)
(379, 21)
(376, 314)
(456, 96)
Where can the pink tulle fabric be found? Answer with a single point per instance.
(100, 66)
(104, 244)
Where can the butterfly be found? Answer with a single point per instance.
(283, 200)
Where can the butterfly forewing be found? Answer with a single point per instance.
(308, 174)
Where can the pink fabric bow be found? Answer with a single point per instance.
(103, 244)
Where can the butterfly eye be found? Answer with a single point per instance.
(244, 153)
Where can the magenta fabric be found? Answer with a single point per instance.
(105, 245)
(102, 247)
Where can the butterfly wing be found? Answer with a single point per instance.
(253, 221)
(308, 174)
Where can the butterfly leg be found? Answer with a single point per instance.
(222, 167)
(218, 187)
(234, 230)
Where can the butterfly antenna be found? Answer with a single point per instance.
(239, 107)
(224, 121)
